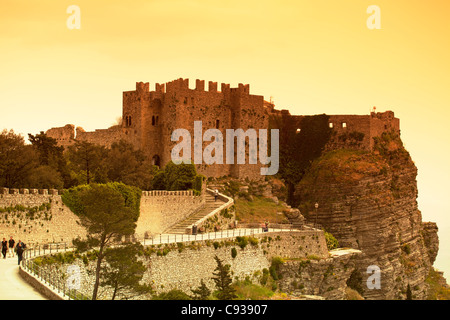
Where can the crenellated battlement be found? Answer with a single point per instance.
(53, 192)
(163, 193)
(213, 87)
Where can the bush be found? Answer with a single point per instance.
(233, 253)
(172, 295)
(275, 268)
(332, 242)
(242, 242)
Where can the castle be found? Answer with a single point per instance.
(150, 117)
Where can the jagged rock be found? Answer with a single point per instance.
(367, 200)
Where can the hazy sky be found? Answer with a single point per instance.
(312, 57)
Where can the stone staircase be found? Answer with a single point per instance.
(210, 205)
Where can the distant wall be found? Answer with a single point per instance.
(41, 217)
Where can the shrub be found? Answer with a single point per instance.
(332, 242)
(233, 253)
(242, 242)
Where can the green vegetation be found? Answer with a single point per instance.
(332, 242)
(123, 271)
(436, 291)
(178, 177)
(246, 290)
(299, 150)
(222, 279)
(275, 268)
(107, 211)
(45, 165)
(202, 292)
(259, 210)
(355, 282)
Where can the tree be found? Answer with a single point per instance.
(202, 292)
(123, 271)
(51, 159)
(408, 293)
(86, 159)
(124, 164)
(17, 160)
(108, 211)
(223, 280)
(177, 177)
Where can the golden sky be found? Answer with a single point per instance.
(313, 57)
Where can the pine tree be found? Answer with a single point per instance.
(408, 293)
(202, 292)
(223, 280)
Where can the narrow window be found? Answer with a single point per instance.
(344, 125)
(217, 124)
(153, 120)
(157, 120)
(331, 124)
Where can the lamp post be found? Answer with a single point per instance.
(316, 205)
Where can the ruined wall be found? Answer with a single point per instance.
(162, 209)
(347, 131)
(104, 137)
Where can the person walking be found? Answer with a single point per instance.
(11, 243)
(20, 248)
(4, 247)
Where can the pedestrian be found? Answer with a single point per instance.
(20, 248)
(216, 194)
(11, 243)
(4, 247)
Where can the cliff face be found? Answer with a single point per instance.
(367, 200)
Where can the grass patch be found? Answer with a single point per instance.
(259, 210)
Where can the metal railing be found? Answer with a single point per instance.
(53, 279)
(221, 234)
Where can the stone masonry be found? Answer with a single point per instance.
(150, 117)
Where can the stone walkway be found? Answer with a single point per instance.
(12, 286)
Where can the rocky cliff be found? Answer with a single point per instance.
(367, 200)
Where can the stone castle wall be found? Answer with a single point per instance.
(174, 269)
(149, 118)
(162, 209)
(39, 215)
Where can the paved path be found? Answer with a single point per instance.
(12, 286)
